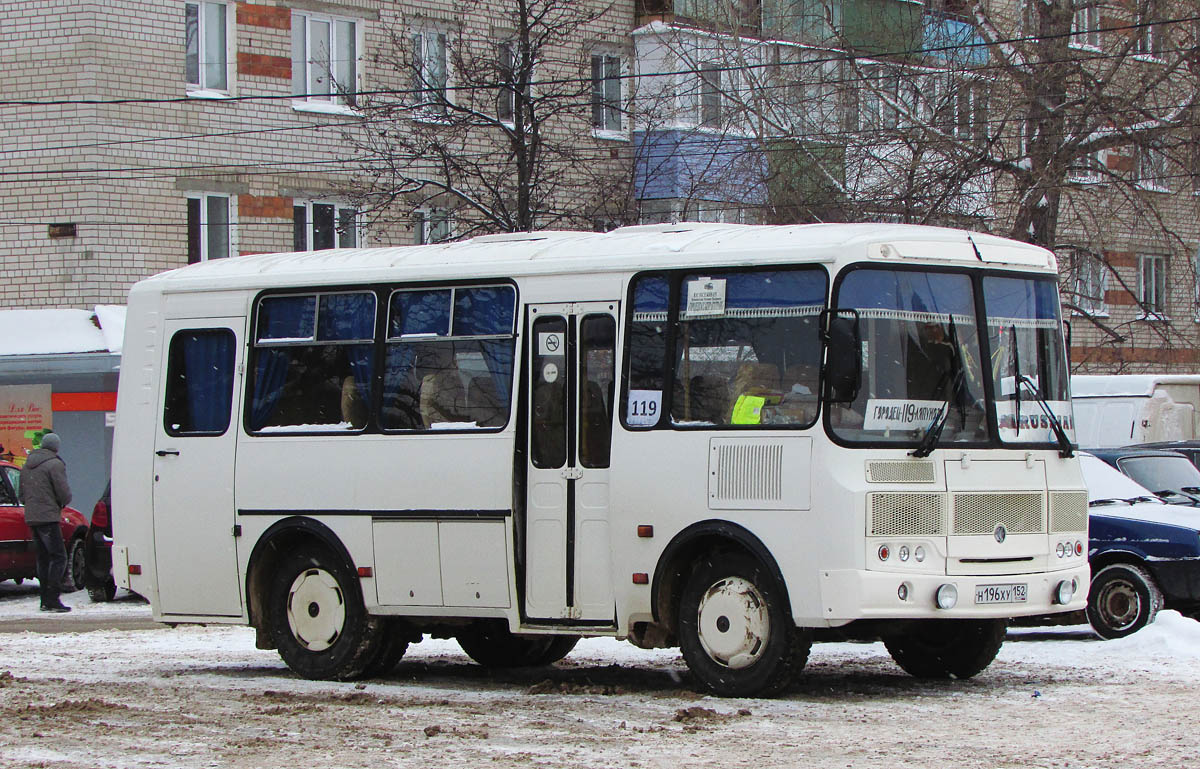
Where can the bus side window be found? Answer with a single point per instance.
(647, 352)
(199, 389)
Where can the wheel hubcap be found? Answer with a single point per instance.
(733, 623)
(316, 612)
(1119, 605)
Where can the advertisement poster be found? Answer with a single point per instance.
(24, 417)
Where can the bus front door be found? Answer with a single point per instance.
(194, 545)
(570, 353)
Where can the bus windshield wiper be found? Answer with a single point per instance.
(1065, 449)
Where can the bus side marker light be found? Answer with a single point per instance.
(641, 578)
(645, 531)
(365, 571)
(902, 591)
(947, 596)
(135, 569)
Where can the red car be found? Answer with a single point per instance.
(18, 561)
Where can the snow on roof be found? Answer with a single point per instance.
(57, 332)
(1129, 385)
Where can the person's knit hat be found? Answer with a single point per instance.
(51, 441)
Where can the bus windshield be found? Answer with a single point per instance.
(923, 368)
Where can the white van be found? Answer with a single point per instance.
(1123, 409)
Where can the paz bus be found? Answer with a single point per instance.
(731, 439)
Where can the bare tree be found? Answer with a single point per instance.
(496, 120)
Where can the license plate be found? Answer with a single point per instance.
(1015, 593)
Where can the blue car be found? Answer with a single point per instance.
(1144, 553)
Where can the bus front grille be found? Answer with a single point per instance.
(1068, 511)
(982, 513)
(906, 515)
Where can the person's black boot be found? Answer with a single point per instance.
(58, 608)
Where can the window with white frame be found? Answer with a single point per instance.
(878, 95)
(1148, 34)
(324, 58)
(1089, 281)
(210, 226)
(206, 46)
(1085, 25)
(508, 69)
(1152, 284)
(431, 71)
(606, 93)
(1152, 167)
(317, 225)
(968, 104)
(1090, 167)
(431, 225)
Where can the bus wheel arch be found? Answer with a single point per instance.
(722, 594)
(283, 537)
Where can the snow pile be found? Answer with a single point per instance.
(56, 332)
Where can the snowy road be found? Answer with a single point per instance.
(205, 697)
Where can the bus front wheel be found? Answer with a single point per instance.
(947, 647)
(317, 617)
(735, 631)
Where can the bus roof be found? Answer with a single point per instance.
(660, 246)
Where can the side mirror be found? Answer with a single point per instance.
(843, 355)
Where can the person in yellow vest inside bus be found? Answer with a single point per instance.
(755, 387)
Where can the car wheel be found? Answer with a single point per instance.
(945, 648)
(491, 644)
(76, 564)
(1122, 600)
(734, 629)
(317, 617)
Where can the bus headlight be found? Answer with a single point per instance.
(947, 596)
(1064, 592)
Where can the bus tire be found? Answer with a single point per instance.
(945, 648)
(1122, 600)
(735, 631)
(317, 617)
(391, 650)
(491, 644)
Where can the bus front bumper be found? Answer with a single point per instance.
(851, 594)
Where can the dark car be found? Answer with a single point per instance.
(98, 576)
(1144, 553)
(18, 559)
(1190, 449)
(1169, 474)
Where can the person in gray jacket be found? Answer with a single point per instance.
(44, 493)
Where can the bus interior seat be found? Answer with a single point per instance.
(354, 407)
(443, 397)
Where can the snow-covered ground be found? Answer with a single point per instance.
(205, 697)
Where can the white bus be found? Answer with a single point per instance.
(733, 439)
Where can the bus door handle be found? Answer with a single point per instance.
(572, 473)
(165, 452)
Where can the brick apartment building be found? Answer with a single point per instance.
(172, 131)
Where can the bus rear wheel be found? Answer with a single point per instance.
(945, 648)
(491, 644)
(317, 617)
(735, 631)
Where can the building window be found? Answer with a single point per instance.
(1152, 167)
(210, 227)
(431, 72)
(1085, 27)
(1089, 283)
(431, 225)
(606, 93)
(321, 225)
(716, 88)
(1152, 284)
(1148, 35)
(324, 58)
(205, 33)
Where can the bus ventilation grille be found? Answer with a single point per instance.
(906, 515)
(982, 513)
(747, 471)
(900, 472)
(1068, 511)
